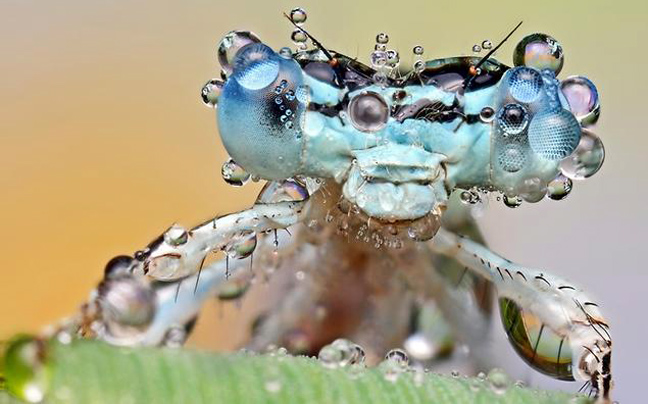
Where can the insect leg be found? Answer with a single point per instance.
(552, 324)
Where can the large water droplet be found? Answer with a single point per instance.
(299, 38)
(256, 66)
(539, 51)
(211, 91)
(234, 174)
(118, 266)
(233, 289)
(231, 43)
(368, 111)
(127, 304)
(512, 201)
(559, 188)
(298, 15)
(586, 160)
(583, 99)
(25, 368)
(419, 347)
(399, 356)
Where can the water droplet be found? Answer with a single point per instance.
(378, 59)
(298, 37)
(476, 48)
(399, 356)
(256, 66)
(118, 266)
(127, 304)
(26, 370)
(241, 245)
(175, 337)
(380, 47)
(419, 347)
(382, 38)
(512, 201)
(539, 51)
(418, 50)
(513, 119)
(469, 197)
(487, 114)
(176, 236)
(423, 229)
(487, 44)
(286, 52)
(559, 188)
(368, 111)
(298, 15)
(582, 97)
(234, 174)
(393, 57)
(231, 43)
(284, 191)
(233, 289)
(499, 381)
(419, 66)
(455, 374)
(211, 91)
(586, 160)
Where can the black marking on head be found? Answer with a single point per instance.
(543, 279)
(522, 275)
(566, 287)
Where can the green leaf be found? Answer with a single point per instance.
(93, 372)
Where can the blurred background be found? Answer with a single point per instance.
(105, 142)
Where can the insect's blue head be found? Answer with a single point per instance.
(400, 143)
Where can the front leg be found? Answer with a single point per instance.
(552, 324)
(178, 253)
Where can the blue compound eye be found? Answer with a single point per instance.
(554, 134)
(525, 84)
(261, 112)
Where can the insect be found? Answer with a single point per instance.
(371, 172)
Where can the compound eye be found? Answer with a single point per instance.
(261, 110)
(539, 51)
(554, 134)
(536, 344)
(368, 111)
(583, 99)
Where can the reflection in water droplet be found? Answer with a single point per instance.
(513, 119)
(298, 15)
(382, 38)
(498, 381)
(230, 45)
(559, 188)
(241, 245)
(368, 111)
(586, 160)
(211, 91)
(539, 51)
(583, 99)
(234, 174)
(512, 201)
(399, 356)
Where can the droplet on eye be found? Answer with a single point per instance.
(176, 236)
(539, 51)
(554, 134)
(241, 245)
(513, 119)
(127, 304)
(234, 174)
(583, 99)
(524, 84)
(231, 43)
(586, 160)
(256, 66)
(368, 111)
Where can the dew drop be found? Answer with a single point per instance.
(418, 50)
(298, 15)
(487, 44)
(176, 236)
(539, 51)
(498, 381)
(378, 59)
(419, 347)
(127, 304)
(582, 97)
(286, 52)
(476, 48)
(234, 174)
(399, 356)
(512, 201)
(559, 188)
(419, 66)
(368, 111)
(211, 91)
(231, 43)
(487, 114)
(299, 37)
(233, 289)
(586, 160)
(382, 38)
(241, 245)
